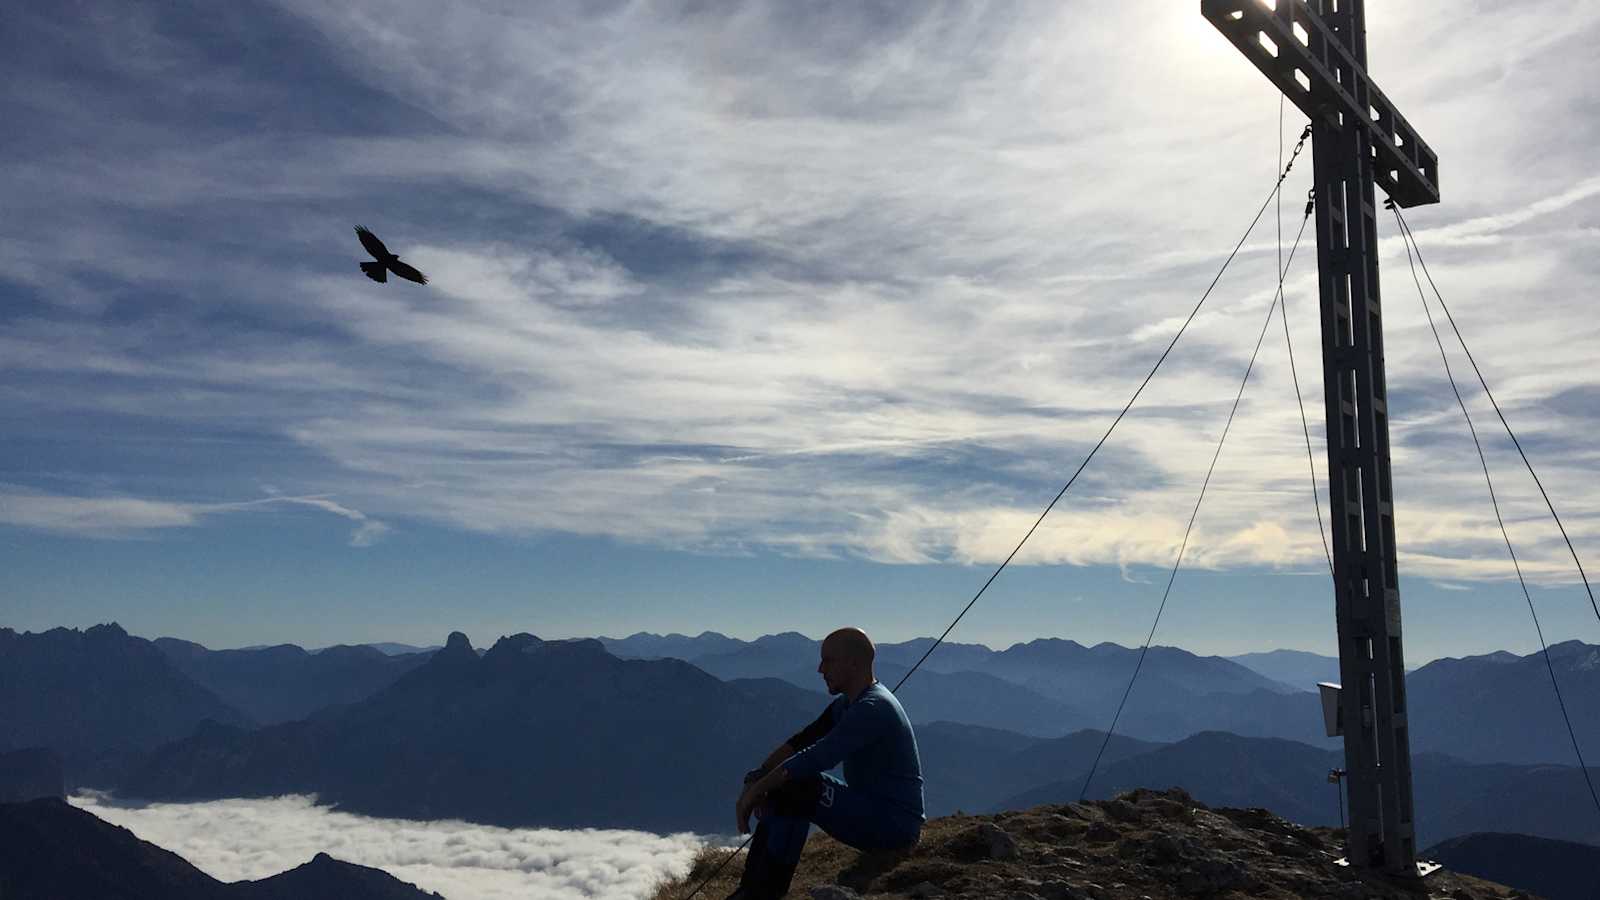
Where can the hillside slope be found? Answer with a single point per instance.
(1558, 870)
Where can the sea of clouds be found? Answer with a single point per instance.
(249, 839)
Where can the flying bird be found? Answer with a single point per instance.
(386, 262)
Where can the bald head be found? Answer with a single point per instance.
(846, 665)
(852, 644)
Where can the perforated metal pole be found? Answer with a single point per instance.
(1316, 54)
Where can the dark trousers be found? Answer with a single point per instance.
(853, 818)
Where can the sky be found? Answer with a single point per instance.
(231, 840)
(756, 317)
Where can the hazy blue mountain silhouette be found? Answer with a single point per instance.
(777, 689)
(1487, 708)
(1295, 668)
(1286, 777)
(969, 768)
(97, 697)
(395, 649)
(54, 851)
(1062, 669)
(978, 698)
(644, 645)
(779, 655)
(1452, 797)
(1500, 708)
(1073, 673)
(557, 733)
(802, 651)
(1559, 870)
(285, 683)
(951, 656)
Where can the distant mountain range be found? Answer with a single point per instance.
(555, 733)
(1046, 688)
(97, 697)
(391, 648)
(516, 735)
(1496, 707)
(971, 769)
(1296, 668)
(1452, 797)
(285, 683)
(54, 851)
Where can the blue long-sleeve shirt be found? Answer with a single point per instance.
(872, 736)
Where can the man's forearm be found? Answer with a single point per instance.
(767, 784)
(783, 752)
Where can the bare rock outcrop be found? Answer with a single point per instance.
(1143, 845)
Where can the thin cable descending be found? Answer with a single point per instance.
(1283, 310)
(1144, 650)
(1278, 195)
(1494, 500)
(1277, 186)
(1305, 428)
(1406, 230)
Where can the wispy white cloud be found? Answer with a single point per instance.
(102, 516)
(368, 531)
(250, 839)
(128, 517)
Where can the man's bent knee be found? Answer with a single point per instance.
(798, 796)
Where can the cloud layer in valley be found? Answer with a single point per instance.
(249, 839)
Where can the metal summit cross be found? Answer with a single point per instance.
(1316, 53)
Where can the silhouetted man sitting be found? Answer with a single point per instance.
(878, 805)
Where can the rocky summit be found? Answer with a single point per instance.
(1142, 845)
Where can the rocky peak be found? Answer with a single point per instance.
(519, 643)
(106, 631)
(513, 651)
(456, 657)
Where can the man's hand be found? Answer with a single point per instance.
(754, 793)
(742, 810)
(746, 803)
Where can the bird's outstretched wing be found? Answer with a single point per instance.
(371, 242)
(407, 272)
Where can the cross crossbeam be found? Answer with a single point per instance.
(1316, 53)
(1294, 47)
